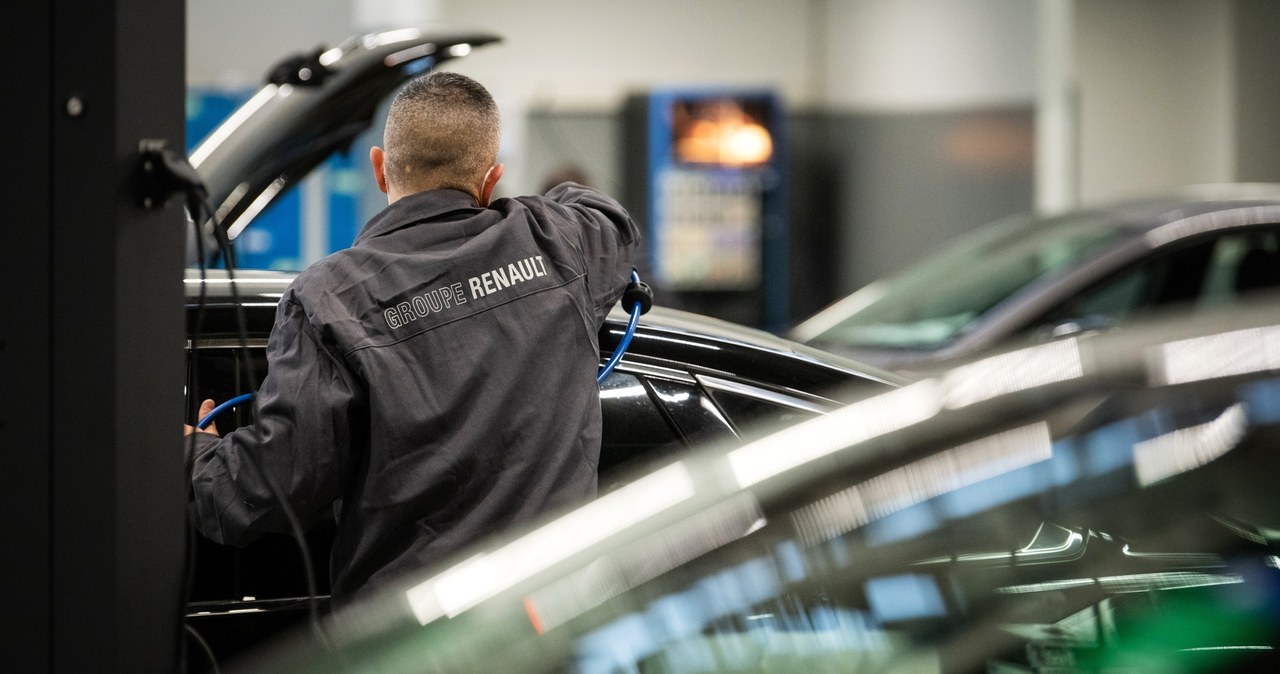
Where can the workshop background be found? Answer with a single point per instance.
(900, 125)
(907, 122)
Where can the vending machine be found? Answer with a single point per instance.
(705, 181)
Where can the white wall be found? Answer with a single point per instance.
(575, 53)
(902, 54)
(899, 55)
(232, 43)
(1155, 95)
(912, 55)
(588, 55)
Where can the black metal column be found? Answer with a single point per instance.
(91, 493)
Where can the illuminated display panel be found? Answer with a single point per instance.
(713, 166)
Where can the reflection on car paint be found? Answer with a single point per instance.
(941, 474)
(1167, 455)
(1011, 372)
(474, 580)
(1213, 356)
(861, 421)
(666, 549)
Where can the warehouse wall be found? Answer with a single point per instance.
(929, 126)
(876, 89)
(232, 43)
(915, 55)
(1257, 98)
(1176, 92)
(1159, 93)
(1155, 95)
(556, 54)
(881, 95)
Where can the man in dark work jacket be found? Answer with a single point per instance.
(438, 377)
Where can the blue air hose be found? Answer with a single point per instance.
(208, 418)
(641, 299)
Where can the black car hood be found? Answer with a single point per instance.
(312, 104)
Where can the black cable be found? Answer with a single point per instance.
(295, 525)
(204, 646)
(173, 173)
(193, 365)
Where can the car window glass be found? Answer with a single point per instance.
(220, 375)
(633, 429)
(1220, 281)
(1207, 273)
(695, 416)
(269, 568)
(1140, 286)
(1243, 263)
(935, 301)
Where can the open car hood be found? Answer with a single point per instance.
(312, 104)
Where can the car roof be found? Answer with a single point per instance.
(1152, 212)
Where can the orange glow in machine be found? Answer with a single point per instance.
(705, 178)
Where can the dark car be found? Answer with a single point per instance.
(685, 379)
(1035, 278)
(1101, 503)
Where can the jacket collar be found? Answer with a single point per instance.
(416, 208)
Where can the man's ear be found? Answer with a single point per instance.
(491, 178)
(378, 159)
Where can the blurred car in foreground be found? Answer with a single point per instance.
(1098, 503)
(685, 378)
(1034, 278)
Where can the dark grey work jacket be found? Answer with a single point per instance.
(438, 377)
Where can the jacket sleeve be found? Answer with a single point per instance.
(300, 442)
(608, 240)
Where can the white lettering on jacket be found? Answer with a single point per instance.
(421, 306)
(506, 276)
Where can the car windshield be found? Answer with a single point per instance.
(938, 300)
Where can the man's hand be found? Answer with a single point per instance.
(205, 408)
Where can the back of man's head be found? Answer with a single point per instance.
(442, 132)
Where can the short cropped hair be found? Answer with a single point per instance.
(442, 132)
